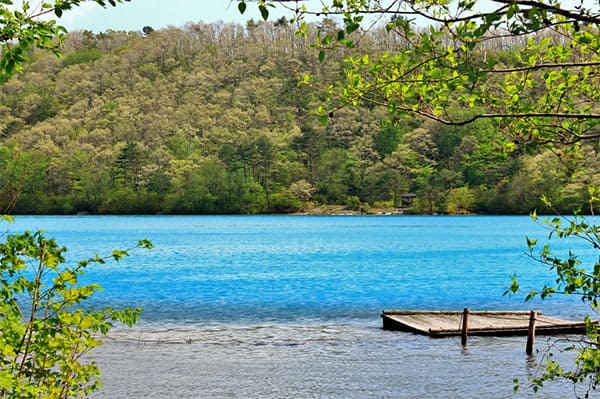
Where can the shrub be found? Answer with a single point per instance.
(45, 329)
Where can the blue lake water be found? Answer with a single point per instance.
(288, 306)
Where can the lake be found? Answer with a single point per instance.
(288, 306)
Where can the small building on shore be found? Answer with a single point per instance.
(407, 199)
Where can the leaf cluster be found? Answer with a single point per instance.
(22, 29)
(572, 278)
(548, 97)
(46, 327)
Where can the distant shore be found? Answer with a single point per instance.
(334, 210)
(317, 210)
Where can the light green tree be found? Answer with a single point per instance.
(45, 327)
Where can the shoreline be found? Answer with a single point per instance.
(323, 210)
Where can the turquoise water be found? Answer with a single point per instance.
(288, 306)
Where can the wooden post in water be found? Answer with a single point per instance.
(531, 332)
(465, 327)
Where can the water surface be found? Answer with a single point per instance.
(288, 306)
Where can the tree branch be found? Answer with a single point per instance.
(580, 17)
(542, 66)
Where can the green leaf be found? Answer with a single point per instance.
(118, 254)
(321, 55)
(145, 244)
(534, 215)
(352, 27)
(263, 11)
(512, 10)
(7, 218)
(69, 277)
(6, 380)
(531, 295)
(242, 7)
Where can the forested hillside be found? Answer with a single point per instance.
(211, 118)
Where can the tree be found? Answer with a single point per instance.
(22, 28)
(547, 95)
(573, 277)
(13, 165)
(45, 328)
(147, 30)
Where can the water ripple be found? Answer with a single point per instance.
(310, 361)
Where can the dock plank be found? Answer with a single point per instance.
(448, 323)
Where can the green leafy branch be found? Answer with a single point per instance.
(546, 96)
(21, 29)
(46, 329)
(571, 279)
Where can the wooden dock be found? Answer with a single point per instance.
(440, 324)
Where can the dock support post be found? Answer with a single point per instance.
(531, 332)
(465, 327)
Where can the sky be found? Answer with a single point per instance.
(136, 14)
(157, 14)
